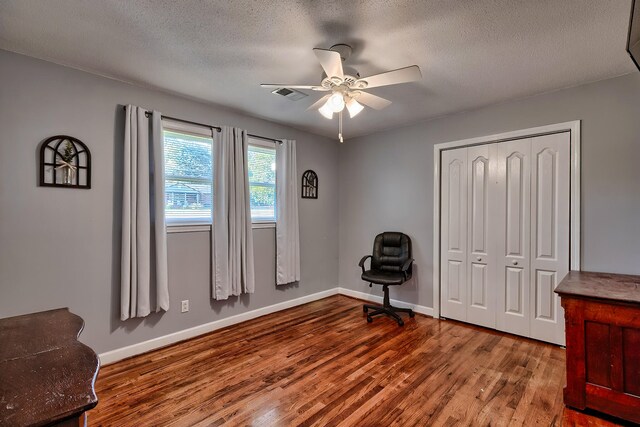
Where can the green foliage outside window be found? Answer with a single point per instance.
(262, 177)
(262, 196)
(187, 155)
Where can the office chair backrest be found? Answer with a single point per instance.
(390, 251)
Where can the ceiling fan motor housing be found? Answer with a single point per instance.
(350, 80)
(343, 49)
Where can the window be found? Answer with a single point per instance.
(188, 162)
(262, 180)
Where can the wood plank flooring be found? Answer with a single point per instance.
(323, 364)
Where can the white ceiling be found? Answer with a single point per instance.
(472, 53)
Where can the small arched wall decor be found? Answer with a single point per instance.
(65, 161)
(309, 185)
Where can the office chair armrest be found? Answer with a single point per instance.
(361, 263)
(406, 266)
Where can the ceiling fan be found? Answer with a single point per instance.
(345, 87)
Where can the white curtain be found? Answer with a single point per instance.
(232, 245)
(144, 239)
(287, 226)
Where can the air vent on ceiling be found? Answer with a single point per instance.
(291, 94)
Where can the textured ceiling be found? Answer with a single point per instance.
(472, 53)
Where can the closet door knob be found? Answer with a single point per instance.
(479, 259)
(515, 262)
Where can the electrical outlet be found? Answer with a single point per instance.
(185, 306)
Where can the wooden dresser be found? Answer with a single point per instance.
(602, 316)
(46, 374)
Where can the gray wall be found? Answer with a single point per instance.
(60, 247)
(386, 179)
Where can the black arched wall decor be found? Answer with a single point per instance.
(65, 161)
(309, 185)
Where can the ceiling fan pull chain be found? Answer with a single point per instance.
(340, 127)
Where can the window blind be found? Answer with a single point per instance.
(188, 177)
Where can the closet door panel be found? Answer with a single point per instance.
(512, 225)
(479, 283)
(514, 291)
(549, 233)
(515, 182)
(478, 212)
(454, 283)
(481, 251)
(453, 234)
(545, 282)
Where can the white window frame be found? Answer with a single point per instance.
(271, 145)
(189, 224)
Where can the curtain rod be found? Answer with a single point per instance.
(148, 113)
(265, 138)
(218, 128)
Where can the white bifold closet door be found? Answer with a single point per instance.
(468, 261)
(513, 236)
(550, 230)
(505, 235)
(453, 234)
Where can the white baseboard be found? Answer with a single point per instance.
(378, 299)
(155, 343)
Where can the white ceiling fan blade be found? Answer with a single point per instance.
(354, 107)
(319, 102)
(330, 61)
(394, 77)
(307, 87)
(373, 101)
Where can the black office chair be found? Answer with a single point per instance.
(391, 265)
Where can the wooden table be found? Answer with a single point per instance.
(602, 317)
(46, 374)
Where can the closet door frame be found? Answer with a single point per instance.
(573, 127)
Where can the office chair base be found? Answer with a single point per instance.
(386, 309)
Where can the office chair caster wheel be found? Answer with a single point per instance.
(369, 319)
(400, 323)
(412, 314)
(365, 309)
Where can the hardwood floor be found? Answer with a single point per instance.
(323, 364)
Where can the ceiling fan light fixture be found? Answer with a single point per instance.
(354, 107)
(336, 102)
(326, 110)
